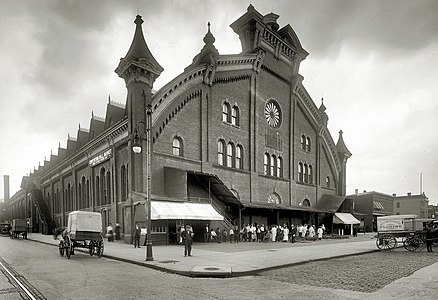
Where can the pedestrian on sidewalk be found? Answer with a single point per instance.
(430, 235)
(110, 233)
(207, 234)
(320, 231)
(136, 234)
(231, 235)
(188, 240)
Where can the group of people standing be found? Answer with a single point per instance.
(221, 235)
(280, 233)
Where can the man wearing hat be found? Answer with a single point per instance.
(188, 240)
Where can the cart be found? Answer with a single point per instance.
(5, 228)
(84, 230)
(18, 226)
(407, 229)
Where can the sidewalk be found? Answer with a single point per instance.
(225, 259)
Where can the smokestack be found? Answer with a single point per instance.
(6, 187)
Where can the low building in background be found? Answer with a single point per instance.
(370, 205)
(411, 204)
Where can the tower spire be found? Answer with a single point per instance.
(140, 57)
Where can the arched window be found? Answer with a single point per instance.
(306, 202)
(327, 181)
(124, 183)
(272, 166)
(279, 167)
(235, 115)
(83, 193)
(220, 152)
(300, 172)
(310, 174)
(80, 195)
(87, 193)
(108, 187)
(102, 188)
(97, 191)
(306, 172)
(266, 164)
(177, 146)
(230, 155)
(308, 144)
(303, 142)
(274, 198)
(239, 152)
(226, 108)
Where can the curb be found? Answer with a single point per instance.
(208, 273)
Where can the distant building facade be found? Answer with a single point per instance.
(412, 204)
(369, 206)
(239, 132)
(432, 211)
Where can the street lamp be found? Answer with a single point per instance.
(136, 148)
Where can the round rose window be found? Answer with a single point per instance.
(273, 114)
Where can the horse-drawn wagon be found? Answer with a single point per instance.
(18, 226)
(407, 229)
(84, 230)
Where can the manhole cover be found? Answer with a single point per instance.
(211, 268)
(168, 261)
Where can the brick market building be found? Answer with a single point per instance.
(238, 133)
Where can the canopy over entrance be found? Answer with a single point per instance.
(166, 210)
(344, 218)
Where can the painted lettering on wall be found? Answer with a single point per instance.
(100, 158)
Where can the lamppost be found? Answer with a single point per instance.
(136, 147)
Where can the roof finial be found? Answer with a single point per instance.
(209, 38)
(341, 132)
(92, 114)
(109, 98)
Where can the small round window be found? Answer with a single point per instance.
(273, 114)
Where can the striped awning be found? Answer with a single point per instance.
(377, 205)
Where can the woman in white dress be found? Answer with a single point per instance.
(311, 231)
(285, 234)
(274, 233)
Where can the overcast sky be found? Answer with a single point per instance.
(374, 62)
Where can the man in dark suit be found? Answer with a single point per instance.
(188, 240)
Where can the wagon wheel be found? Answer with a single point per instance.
(100, 247)
(419, 242)
(412, 244)
(386, 242)
(61, 248)
(91, 248)
(68, 246)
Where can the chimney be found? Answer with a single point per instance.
(6, 187)
(394, 195)
(409, 194)
(356, 191)
(364, 191)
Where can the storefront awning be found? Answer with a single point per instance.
(166, 210)
(344, 218)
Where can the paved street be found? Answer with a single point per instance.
(374, 275)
